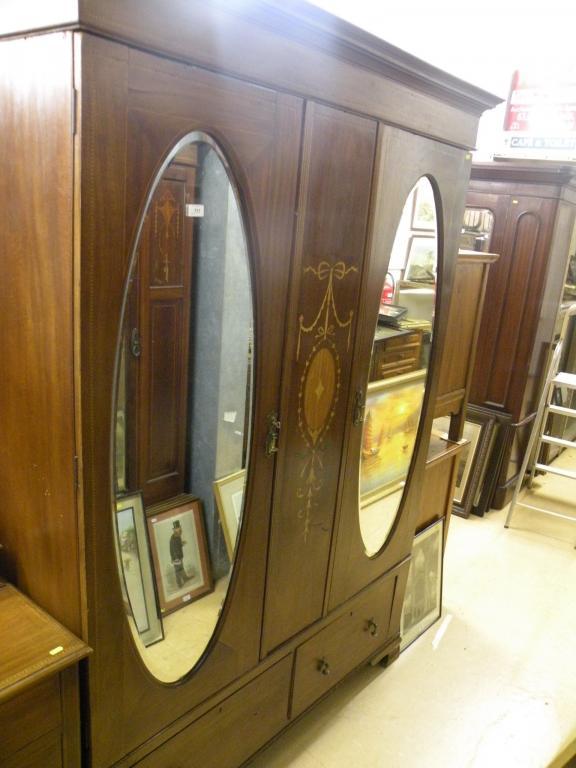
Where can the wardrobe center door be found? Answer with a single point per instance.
(151, 127)
(434, 175)
(334, 197)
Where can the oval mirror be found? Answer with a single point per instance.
(397, 378)
(183, 408)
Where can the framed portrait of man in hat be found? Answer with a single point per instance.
(180, 554)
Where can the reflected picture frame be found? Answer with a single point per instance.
(135, 565)
(424, 209)
(421, 259)
(380, 476)
(229, 495)
(180, 554)
(422, 605)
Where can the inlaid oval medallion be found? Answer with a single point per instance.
(319, 391)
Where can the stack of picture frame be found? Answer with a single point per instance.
(480, 459)
(163, 551)
(163, 557)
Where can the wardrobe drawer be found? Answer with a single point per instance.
(233, 730)
(352, 638)
(36, 711)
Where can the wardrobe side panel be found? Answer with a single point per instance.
(38, 522)
(335, 187)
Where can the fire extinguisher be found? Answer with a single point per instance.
(388, 290)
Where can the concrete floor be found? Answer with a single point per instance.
(492, 684)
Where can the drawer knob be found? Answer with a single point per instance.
(372, 627)
(324, 667)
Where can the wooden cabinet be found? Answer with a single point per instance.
(456, 368)
(534, 210)
(39, 696)
(324, 144)
(395, 352)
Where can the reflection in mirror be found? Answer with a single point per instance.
(183, 409)
(477, 229)
(398, 367)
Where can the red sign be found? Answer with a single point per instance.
(540, 119)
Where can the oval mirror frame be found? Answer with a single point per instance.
(398, 370)
(184, 354)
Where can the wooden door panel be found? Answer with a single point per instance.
(463, 322)
(334, 197)
(496, 290)
(166, 421)
(164, 270)
(135, 107)
(525, 254)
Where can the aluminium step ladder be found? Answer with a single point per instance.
(554, 380)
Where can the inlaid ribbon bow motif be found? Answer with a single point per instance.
(319, 384)
(326, 328)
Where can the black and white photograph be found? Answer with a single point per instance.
(424, 588)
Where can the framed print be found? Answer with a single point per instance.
(481, 427)
(423, 598)
(479, 431)
(133, 552)
(229, 493)
(424, 210)
(421, 261)
(490, 469)
(471, 434)
(391, 419)
(180, 554)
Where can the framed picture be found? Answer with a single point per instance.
(421, 261)
(479, 431)
(489, 472)
(423, 598)
(229, 494)
(180, 555)
(391, 420)
(135, 565)
(424, 210)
